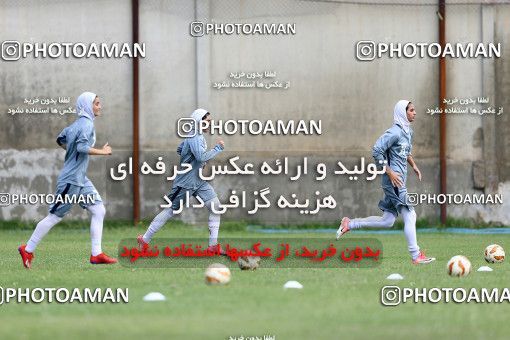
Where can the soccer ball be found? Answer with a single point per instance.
(458, 266)
(248, 262)
(217, 274)
(494, 254)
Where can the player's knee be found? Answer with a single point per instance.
(412, 214)
(409, 215)
(213, 205)
(98, 210)
(54, 218)
(102, 210)
(391, 220)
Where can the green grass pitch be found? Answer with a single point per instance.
(334, 304)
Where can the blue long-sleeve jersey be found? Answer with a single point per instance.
(194, 151)
(394, 146)
(78, 138)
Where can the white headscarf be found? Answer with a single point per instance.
(84, 104)
(197, 116)
(400, 116)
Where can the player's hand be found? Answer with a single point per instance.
(221, 142)
(107, 149)
(395, 178)
(417, 172)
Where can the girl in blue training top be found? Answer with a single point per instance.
(394, 148)
(192, 151)
(78, 140)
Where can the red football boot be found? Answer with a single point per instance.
(141, 243)
(216, 248)
(102, 259)
(26, 257)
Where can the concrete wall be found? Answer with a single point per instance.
(353, 99)
(30, 157)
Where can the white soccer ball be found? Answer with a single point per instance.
(248, 262)
(494, 254)
(458, 266)
(217, 274)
